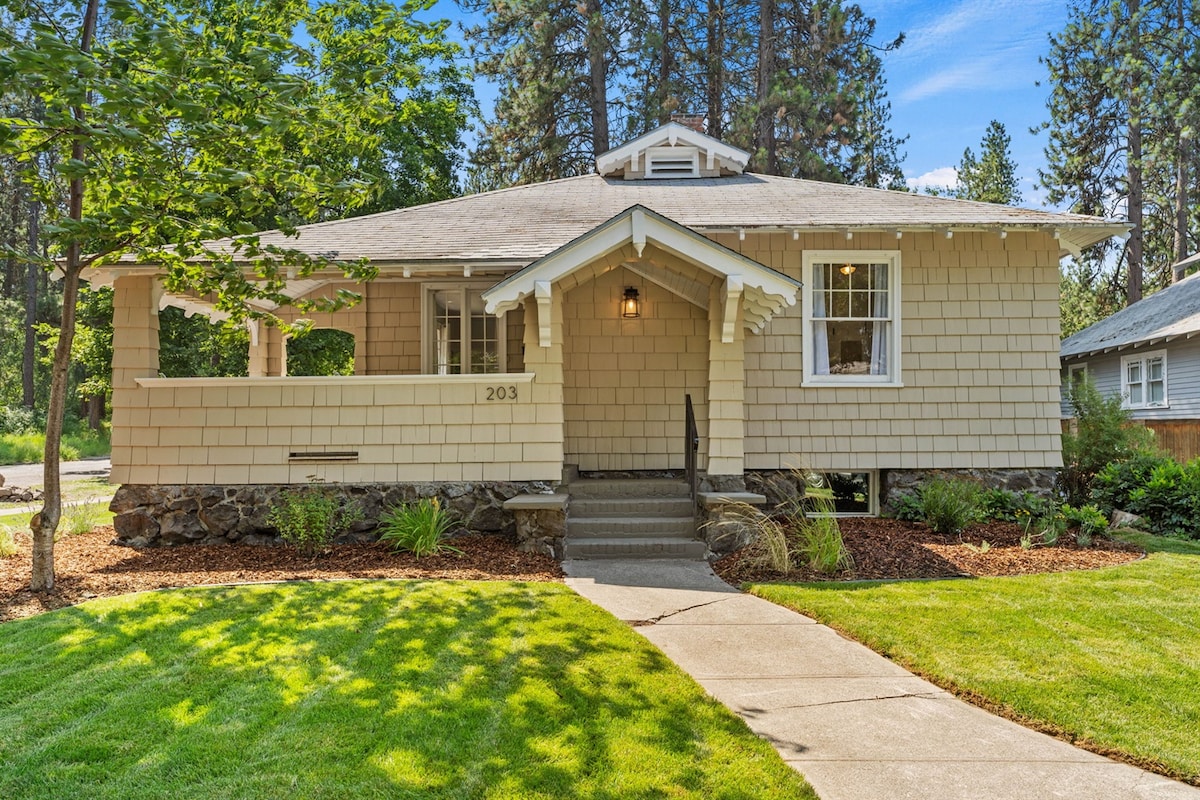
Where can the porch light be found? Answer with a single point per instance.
(847, 269)
(631, 306)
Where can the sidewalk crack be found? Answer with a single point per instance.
(927, 695)
(639, 623)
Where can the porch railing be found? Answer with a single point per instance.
(691, 445)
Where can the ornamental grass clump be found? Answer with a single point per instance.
(420, 528)
(8, 542)
(818, 537)
(949, 506)
(768, 538)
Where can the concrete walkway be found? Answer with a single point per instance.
(852, 722)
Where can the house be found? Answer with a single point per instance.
(517, 338)
(1149, 353)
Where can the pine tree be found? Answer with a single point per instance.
(993, 177)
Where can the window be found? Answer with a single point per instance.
(851, 309)
(461, 337)
(1144, 380)
(840, 493)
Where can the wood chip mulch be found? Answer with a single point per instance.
(888, 549)
(89, 566)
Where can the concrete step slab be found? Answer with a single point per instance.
(626, 488)
(592, 527)
(632, 507)
(634, 547)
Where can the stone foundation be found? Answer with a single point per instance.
(895, 483)
(148, 516)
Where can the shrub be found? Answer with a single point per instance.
(419, 528)
(1088, 522)
(1001, 504)
(1165, 493)
(1102, 433)
(949, 506)
(908, 508)
(310, 519)
(18, 420)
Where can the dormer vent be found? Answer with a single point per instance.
(672, 162)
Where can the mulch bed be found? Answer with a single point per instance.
(888, 549)
(89, 566)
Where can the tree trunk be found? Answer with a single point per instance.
(663, 92)
(1134, 199)
(764, 134)
(1183, 160)
(31, 291)
(715, 68)
(45, 523)
(598, 74)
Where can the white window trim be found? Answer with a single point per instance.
(674, 155)
(892, 259)
(1144, 357)
(428, 359)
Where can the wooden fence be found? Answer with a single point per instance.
(1178, 437)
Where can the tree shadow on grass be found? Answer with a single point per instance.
(399, 689)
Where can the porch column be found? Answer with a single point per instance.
(542, 449)
(135, 355)
(726, 391)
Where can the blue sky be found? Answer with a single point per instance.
(962, 65)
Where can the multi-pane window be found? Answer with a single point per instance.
(851, 308)
(462, 337)
(1144, 380)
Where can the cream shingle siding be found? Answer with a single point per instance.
(415, 428)
(625, 379)
(978, 363)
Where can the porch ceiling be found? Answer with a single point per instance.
(759, 290)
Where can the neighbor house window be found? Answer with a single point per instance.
(461, 338)
(1144, 380)
(852, 316)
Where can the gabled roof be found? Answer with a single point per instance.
(1172, 313)
(761, 291)
(673, 135)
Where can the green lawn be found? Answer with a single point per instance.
(1111, 656)
(27, 448)
(361, 689)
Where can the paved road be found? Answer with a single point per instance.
(26, 475)
(855, 724)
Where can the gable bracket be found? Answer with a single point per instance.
(638, 222)
(731, 298)
(541, 293)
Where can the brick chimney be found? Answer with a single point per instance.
(693, 121)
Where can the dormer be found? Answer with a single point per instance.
(672, 151)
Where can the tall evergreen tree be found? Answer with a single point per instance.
(1122, 119)
(992, 178)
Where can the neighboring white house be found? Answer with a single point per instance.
(519, 335)
(1149, 354)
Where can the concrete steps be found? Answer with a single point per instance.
(623, 518)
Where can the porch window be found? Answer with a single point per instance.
(1144, 380)
(461, 338)
(851, 305)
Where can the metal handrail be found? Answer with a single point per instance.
(691, 445)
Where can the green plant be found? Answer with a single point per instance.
(1049, 527)
(981, 548)
(81, 518)
(1008, 506)
(907, 507)
(419, 528)
(817, 535)
(8, 542)
(1101, 433)
(1165, 493)
(1088, 522)
(949, 505)
(1027, 540)
(310, 519)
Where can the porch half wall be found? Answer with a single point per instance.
(274, 430)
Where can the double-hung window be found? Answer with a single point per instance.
(852, 317)
(460, 337)
(1144, 380)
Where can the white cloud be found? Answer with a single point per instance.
(940, 178)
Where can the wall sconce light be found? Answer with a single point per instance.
(631, 306)
(847, 269)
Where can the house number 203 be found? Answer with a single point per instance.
(502, 393)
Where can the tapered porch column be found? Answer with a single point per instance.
(726, 383)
